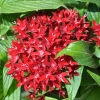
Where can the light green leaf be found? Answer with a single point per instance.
(3, 54)
(94, 74)
(13, 93)
(24, 6)
(7, 81)
(72, 89)
(80, 51)
(3, 29)
(50, 98)
(67, 2)
(93, 12)
(97, 51)
(91, 1)
(6, 1)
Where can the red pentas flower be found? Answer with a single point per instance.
(96, 30)
(39, 38)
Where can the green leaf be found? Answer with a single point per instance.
(50, 98)
(1, 79)
(97, 51)
(87, 79)
(3, 29)
(7, 81)
(80, 51)
(83, 92)
(3, 54)
(72, 89)
(94, 94)
(67, 2)
(91, 1)
(13, 93)
(24, 94)
(6, 1)
(94, 74)
(24, 6)
(93, 12)
(9, 19)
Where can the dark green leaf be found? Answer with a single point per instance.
(83, 92)
(72, 89)
(94, 94)
(13, 93)
(1, 79)
(87, 81)
(94, 74)
(3, 29)
(80, 51)
(93, 12)
(10, 19)
(24, 6)
(91, 1)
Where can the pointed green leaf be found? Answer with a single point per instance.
(3, 54)
(3, 29)
(24, 6)
(94, 94)
(73, 87)
(7, 81)
(94, 74)
(87, 80)
(50, 98)
(97, 52)
(80, 51)
(13, 93)
(83, 92)
(91, 1)
(93, 12)
(1, 79)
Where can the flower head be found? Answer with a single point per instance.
(39, 38)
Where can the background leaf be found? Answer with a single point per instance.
(91, 1)
(83, 92)
(1, 79)
(97, 51)
(81, 53)
(94, 74)
(24, 6)
(72, 89)
(3, 29)
(13, 93)
(94, 93)
(3, 53)
(7, 81)
(93, 12)
(87, 80)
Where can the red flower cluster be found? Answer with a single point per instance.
(96, 30)
(39, 38)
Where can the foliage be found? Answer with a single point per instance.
(86, 86)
